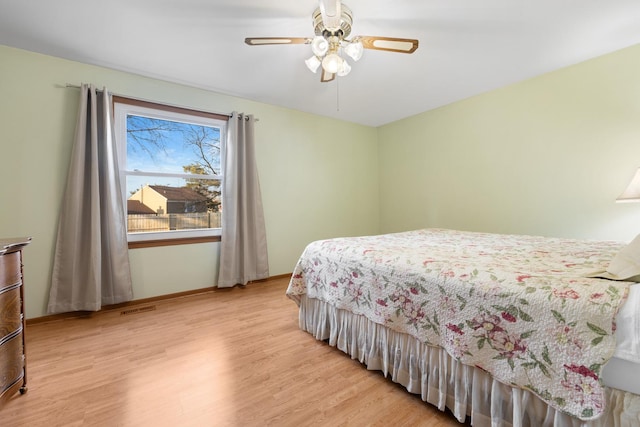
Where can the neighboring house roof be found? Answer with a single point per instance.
(178, 193)
(135, 207)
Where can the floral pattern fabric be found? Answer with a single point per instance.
(518, 307)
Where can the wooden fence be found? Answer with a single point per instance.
(165, 222)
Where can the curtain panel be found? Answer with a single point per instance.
(243, 253)
(91, 258)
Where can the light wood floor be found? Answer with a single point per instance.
(224, 358)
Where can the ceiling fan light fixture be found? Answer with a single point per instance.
(354, 50)
(313, 63)
(332, 22)
(319, 46)
(332, 63)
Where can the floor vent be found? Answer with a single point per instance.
(138, 310)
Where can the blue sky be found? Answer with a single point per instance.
(174, 153)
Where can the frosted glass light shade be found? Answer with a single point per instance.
(332, 63)
(345, 69)
(319, 46)
(313, 63)
(632, 192)
(354, 50)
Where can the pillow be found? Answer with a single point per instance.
(625, 265)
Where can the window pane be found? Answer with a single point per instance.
(165, 204)
(158, 145)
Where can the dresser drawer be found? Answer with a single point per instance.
(11, 362)
(10, 316)
(9, 269)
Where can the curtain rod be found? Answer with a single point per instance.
(69, 85)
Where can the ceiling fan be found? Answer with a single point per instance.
(332, 22)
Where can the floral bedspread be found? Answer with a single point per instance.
(515, 306)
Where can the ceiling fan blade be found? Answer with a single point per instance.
(390, 44)
(257, 41)
(326, 77)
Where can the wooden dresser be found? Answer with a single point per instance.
(13, 366)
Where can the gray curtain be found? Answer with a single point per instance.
(91, 259)
(243, 253)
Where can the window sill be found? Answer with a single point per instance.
(172, 242)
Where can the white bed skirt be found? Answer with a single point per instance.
(443, 381)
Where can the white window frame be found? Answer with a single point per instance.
(120, 112)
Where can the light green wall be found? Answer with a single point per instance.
(313, 186)
(546, 156)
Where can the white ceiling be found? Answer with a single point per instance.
(466, 46)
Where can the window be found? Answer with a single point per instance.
(170, 172)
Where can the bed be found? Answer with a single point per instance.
(501, 329)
